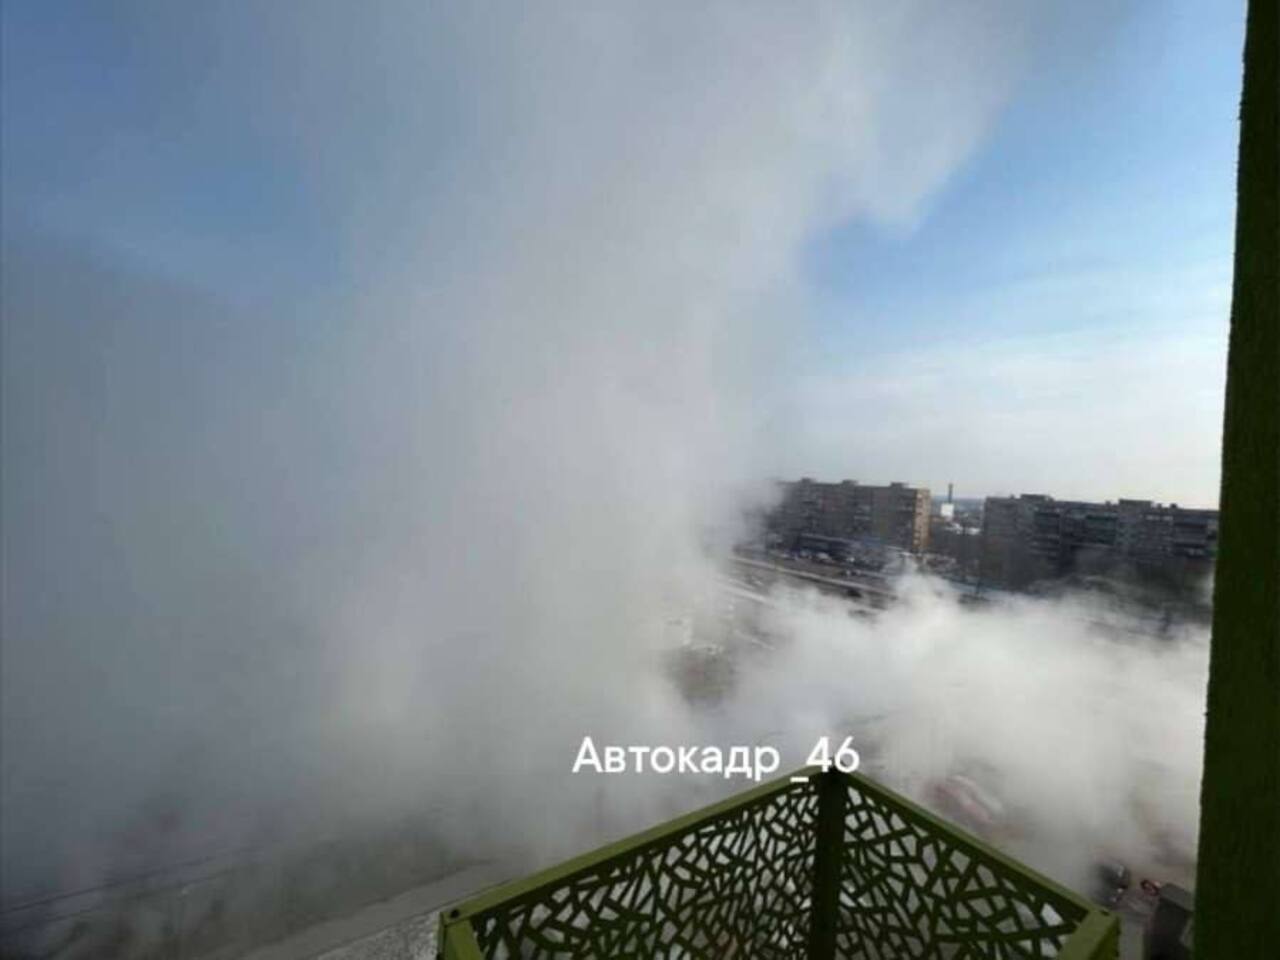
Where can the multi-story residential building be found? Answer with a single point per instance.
(1034, 537)
(896, 515)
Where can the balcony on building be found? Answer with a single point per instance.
(816, 866)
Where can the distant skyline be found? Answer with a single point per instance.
(939, 492)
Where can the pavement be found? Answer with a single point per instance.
(400, 928)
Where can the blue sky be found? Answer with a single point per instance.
(1100, 207)
(1095, 207)
(1123, 158)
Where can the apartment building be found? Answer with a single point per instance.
(1035, 537)
(896, 515)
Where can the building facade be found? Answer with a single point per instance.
(1034, 537)
(895, 515)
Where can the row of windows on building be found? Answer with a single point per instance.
(1034, 537)
(1024, 538)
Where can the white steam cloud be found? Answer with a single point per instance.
(397, 542)
(1079, 726)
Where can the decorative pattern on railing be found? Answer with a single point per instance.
(833, 866)
(910, 887)
(738, 886)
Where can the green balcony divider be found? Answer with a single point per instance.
(1237, 897)
(833, 865)
(828, 862)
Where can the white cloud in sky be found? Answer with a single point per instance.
(408, 539)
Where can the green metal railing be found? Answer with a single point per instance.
(831, 866)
